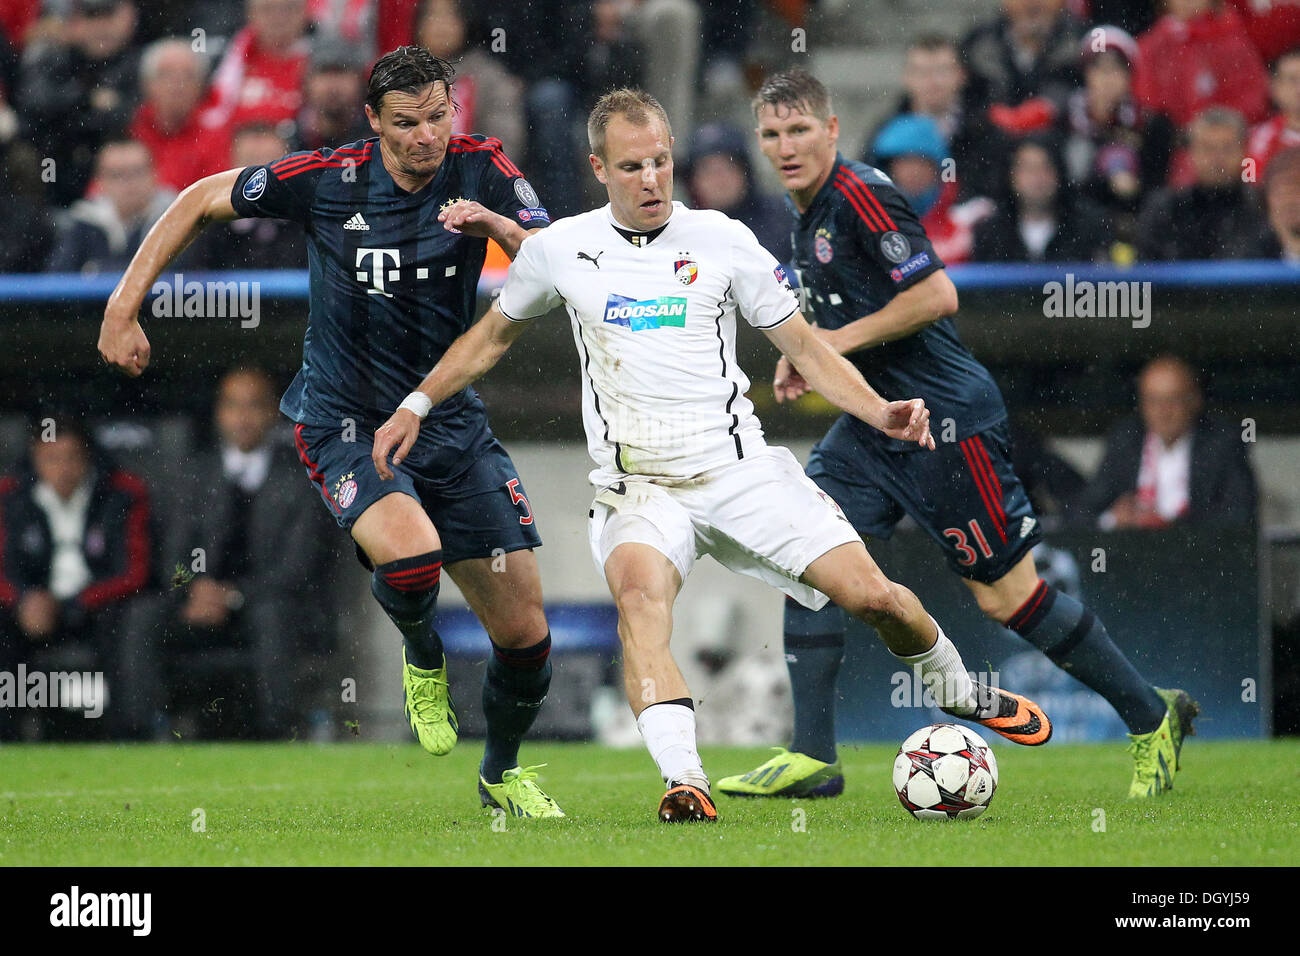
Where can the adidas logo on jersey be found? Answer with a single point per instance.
(356, 222)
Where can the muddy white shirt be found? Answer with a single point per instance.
(655, 327)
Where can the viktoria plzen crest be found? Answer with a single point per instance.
(686, 270)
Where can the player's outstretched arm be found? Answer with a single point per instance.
(122, 343)
(843, 385)
(468, 358)
(905, 314)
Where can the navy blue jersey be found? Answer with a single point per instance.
(391, 288)
(858, 245)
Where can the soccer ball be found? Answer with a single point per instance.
(945, 771)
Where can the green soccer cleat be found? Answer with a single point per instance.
(788, 774)
(518, 794)
(1156, 755)
(429, 707)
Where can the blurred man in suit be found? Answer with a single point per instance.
(262, 589)
(76, 549)
(1171, 463)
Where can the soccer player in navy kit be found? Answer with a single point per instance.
(880, 296)
(398, 228)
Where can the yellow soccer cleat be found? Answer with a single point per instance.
(429, 707)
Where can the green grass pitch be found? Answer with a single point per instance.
(358, 803)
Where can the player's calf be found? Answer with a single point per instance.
(407, 590)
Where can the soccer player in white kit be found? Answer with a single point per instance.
(653, 290)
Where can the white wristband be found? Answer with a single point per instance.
(417, 402)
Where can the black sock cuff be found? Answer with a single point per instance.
(684, 701)
(529, 658)
(420, 572)
(1077, 634)
(1032, 612)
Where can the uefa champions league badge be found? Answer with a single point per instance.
(255, 185)
(345, 490)
(822, 246)
(686, 270)
(895, 247)
(526, 193)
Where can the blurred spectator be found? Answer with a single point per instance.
(1025, 63)
(1115, 151)
(1172, 463)
(371, 27)
(1197, 56)
(333, 113)
(667, 32)
(719, 176)
(16, 18)
(1272, 25)
(1131, 16)
(253, 243)
(75, 548)
(261, 73)
(102, 234)
(1042, 221)
(1282, 129)
(31, 230)
(562, 83)
(264, 591)
(75, 95)
(911, 150)
(1282, 197)
(935, 85)
(488, 98)
(169, 121)
(1218, 216)
(218, 19)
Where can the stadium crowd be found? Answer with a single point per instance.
(1046, 133)
(1106, 131)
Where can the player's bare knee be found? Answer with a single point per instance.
(637, 600)
(523, 627)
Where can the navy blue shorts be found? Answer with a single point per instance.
(964, 494)
(478, 506)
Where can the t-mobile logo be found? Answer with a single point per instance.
(379, 272)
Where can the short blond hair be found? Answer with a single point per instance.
(636, 106)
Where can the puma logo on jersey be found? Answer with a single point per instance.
(594, 262)
(356, 222)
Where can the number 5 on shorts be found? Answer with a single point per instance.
(516, 498)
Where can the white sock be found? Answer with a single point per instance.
(669, 734)
(943, 672)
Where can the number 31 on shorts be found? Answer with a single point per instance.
(966, 554)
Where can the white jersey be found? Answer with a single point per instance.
(655, 327)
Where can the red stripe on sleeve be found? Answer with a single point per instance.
(870, 196)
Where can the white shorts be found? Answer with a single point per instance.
(761, 516)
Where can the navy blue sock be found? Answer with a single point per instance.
(514, 687)
(407, 589)
(1075, 640)
(814, 650)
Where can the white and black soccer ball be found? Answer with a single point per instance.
(945, 771)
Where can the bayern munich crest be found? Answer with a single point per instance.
(686, 270)
(822, 246)
(345, 492)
